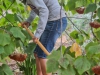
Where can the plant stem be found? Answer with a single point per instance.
(92, 28)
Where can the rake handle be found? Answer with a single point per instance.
(38, 42)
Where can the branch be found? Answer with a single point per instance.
(5, 31)
(92, 28)
(7, 9)
(74, 25)
(79, 18)
(69, 36)
(7, 19)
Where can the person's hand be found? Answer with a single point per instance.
(35, 39)
(27, 24)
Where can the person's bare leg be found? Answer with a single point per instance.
(43, 66)
(38, 67)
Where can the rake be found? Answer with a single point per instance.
(38, 42)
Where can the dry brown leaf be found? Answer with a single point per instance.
(76, 48)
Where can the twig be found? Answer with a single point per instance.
(7, 19)
(74, 25)
(9, 6)
(6, 11)
(79, 18)
(5, 31)
(69, 36)
(92, 28)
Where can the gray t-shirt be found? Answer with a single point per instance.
(47, 10)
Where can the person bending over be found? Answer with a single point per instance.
(52, 22)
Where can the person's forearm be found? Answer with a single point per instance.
(31, 16)
(43, 17)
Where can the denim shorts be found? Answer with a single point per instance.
(51, 33)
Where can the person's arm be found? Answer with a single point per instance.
(43, 16)
(31, 16)
(29, 19)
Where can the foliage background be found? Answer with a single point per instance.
(12, 37)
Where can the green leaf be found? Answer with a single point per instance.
(1, 70)
(71, 5)
(11, 0)
(98, 13)
(10, 17)
(96, 57)
(1, 50)
(2, 73)
(97, 32)
(68, 52)
(1, 10)
(93, 50)
(81, 3)
(74, 34)
(54, 55)
(90, 44)
(4, 39)
(63, 49)
(99, 3)
(70, 59)
(98, 20)
(86, 34)
(69, 71)
(17, 33)
(34, 26)
(52, 65)
(17, 18)
(30, 48)
(65, 7)
(64, 62)
(94, 15)
(7, 70)
(27, 34)
(2, 21)
(89, 9)
(9, 48)
(82, 64)
(80, 39)
(4, 4)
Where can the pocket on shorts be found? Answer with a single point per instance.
(50, 26)
(61, 26)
